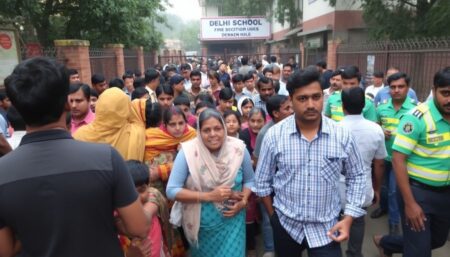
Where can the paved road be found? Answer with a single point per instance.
(375, 226)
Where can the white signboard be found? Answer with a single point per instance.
(234, 28)
(9, 55)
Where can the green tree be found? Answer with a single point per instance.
(130, 22)
(388, 19)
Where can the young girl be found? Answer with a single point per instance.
(155, 207)
(256, 120)
(233, 122)
(245, 104)
(165, 96)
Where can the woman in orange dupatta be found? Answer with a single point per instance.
(116, 123)
(162, 144)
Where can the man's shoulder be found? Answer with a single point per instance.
(282, 127)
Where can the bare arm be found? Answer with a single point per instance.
(7, 243)
(4, 146)
(268, 204)
(378, 170)
(135, 221)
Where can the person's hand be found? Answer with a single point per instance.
(139, 248)
(154, 174)
(234, 208)
(220, 194)
(415, 217)
(342, 229)
(236, 195)
(387, 134)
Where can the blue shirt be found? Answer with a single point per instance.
(384, 94)
(180, 173)
(304, 176)
(259, 102)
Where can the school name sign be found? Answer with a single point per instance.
(234, 28)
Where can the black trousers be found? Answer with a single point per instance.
(436, 207)
(286, 246)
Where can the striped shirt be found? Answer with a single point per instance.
(259, 102)
(304, 175)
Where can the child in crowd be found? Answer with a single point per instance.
(244, 105)
(183, 102)
(233, 122)
(155, 207)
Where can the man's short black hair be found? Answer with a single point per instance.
(171, 68)
(182, 100)
(442, 78)
(274, 103)
(397, 76)
(273, 59)
(258, 65)
(205, 97)
(150, 75)
(244, 60)
(72, 72)
(127, 75)
(288, 65)
(138, 93)
(264, 80)
(302, 78)
(84, 88)
(196, 73)
(185, 66)
(266, 69)
(116, 82)
(238, 78)
(378, 74)
(322, 64)
(97, 78)
(353, 100)
(38, 88)
(351, 72)
(248, 77)
(335, 73)
(226, 94)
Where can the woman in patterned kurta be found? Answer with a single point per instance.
(211, 180)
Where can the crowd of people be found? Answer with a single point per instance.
(196, 160)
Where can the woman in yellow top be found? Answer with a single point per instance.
(116, 123)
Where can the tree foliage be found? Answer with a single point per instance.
(186, 31)
(396, 19)
(130, 22)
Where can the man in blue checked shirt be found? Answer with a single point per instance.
(298, 175)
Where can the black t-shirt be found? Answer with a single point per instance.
(244, 135)
(58, 195)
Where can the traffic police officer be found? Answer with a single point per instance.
(421, 160)
(333, 108)
(389, 114)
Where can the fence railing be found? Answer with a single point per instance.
(419, 58)
(103, 61)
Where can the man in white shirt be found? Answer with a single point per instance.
(204, 72)
(372, 90)
(369, 138)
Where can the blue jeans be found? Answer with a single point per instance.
(266, 230)
(394, 212)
